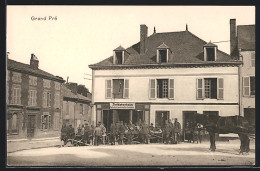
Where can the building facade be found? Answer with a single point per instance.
(165, 76)
(244, 44)
(33, 101)
(76, 108)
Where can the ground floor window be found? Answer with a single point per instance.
(12, 124)
(45, 121)
(56, 121)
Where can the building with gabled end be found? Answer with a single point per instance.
(165, 76)
(243, 47)
(33, 99)
(76, 107)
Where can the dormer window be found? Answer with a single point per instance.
(119, 55)
(163, 53)
(210, 52)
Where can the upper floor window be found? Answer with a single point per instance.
(17, 77)
(249, 86)
(80, 108)
(66, 107)
(32, 97)
(32, 80)
(57, 100)
(7, 93)
(57, 86)
(119, 55)
(117, 88)
(162, 53)
(46, 99)
(210, 52)
(161, 88)
(16, 94)
(253, 59)
(210, 88)
(46, 83)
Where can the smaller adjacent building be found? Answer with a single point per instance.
(243, 46)
(76, 107)
(33, 99)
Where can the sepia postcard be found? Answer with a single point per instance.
(130, 85)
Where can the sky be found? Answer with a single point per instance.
(77, 36)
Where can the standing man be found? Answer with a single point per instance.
(121, 131)
(113, 132)
(131, 128)
(145, 132)
(166, 132)
(177, 130)
(87, 133)
(98, 134)
(103, 129)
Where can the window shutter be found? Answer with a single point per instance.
(108, 88)
(152, 88)
(171, 88)
(126, 89)
(49, 121)
(253, 59)
(246, 86)
(19, 95)
(44, 99)
(220, 88)
(200, 88)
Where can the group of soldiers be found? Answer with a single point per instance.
(124, 133)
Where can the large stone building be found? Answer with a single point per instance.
(164, 76)
(33, 100)
(243, 44)
(76, 107)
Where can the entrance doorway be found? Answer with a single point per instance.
(107, 118)
(188, 121)
(137, 115)
(161, 117)
(31, 126)
(123, 115)
(249, 114)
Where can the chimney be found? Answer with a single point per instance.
(34, 62)
(143, 38)
(233, 39)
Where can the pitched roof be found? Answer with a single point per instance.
(119, 48)
(163, 46)
(186, 49)
(209, 44)
(21, 67)
(67, 93)
(246, 37)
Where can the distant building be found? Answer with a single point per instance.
(165, 76)
(33, 100)
(76, 107)
(243, 41)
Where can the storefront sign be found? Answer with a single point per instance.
(122, 105)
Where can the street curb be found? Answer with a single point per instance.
(37, 139)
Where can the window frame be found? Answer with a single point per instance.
(16, 96)
(48, 121)
(203, 89)
(32, 80)
(17, 77)
(158, 57)
(32, 97)
(252, 64)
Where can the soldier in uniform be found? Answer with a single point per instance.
(121, 132)
(87, 133)
(145, 133)
(63, 136)
(158, 132)
(131, 130)
(113, 132)
(104, 130)
(177, 130)
(166, 132)
(98, 134)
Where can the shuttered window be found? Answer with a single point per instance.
(253, 59)
(200, 88)
(246, 86)
(152, 89)
(171, 88)
(108, 88)
(126, 89)
(220, 88)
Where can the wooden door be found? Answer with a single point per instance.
(31, 126)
